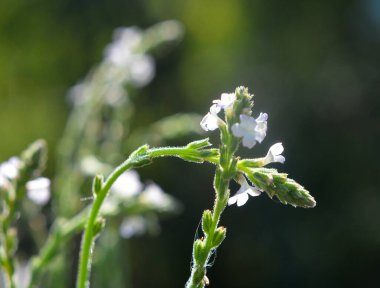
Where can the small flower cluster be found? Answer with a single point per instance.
(37, 190)
(250, 130)
(124, 53)
(127, 193)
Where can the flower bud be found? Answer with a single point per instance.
(99, 225)
(139, 157)
(97, 184)
(219, 236)
(199, 251)
(199, 144)
(206, 221)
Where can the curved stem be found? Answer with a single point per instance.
(135, 160)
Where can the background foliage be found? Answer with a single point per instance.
(313, 66)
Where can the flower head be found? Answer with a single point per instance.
(38, 190)
(211, 121)
(274, 154)
(252, 130)
(241, 196)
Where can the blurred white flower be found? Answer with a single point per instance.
(133, 226)
(274, 154)
(154, 196)
(38, 190)
(10, 168)
(123, 53)
(252, 130)
(141, 70)
(211, 121)
(125, 42)
(77, 95)
(127, 185)
(241, 196)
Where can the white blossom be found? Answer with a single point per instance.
(241, 196)
(274, 154)
(154, 196)
(127, 185)
(121, 50)
(10, 168)
(38, 190)
(123, 53)
(252, 130)
(211, 121)
(226, 100)
(133, 226)
(141, 70)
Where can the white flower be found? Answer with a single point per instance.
(274, 154)
(211, 121)
(154, 196)
(38, 190)
(127, 185)
(252, 130)
(123, 53)
(121, 50)
(10, 168)
(226, 100)
(131, 226)
(141, 70)
(241, 196)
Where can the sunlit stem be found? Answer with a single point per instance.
(89, 235)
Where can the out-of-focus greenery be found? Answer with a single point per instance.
(314, 68)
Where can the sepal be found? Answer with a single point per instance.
(97, 184)
(219, 236)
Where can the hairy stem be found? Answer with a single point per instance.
(224, 173)
(139, 159)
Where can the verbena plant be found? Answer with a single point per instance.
(93, 142)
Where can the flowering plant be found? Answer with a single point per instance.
(91, 144)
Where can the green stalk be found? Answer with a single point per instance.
(138, 158)
(224, 173)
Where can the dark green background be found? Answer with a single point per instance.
(314, 67)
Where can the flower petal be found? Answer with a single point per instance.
(249, 141)
(210, 122)
(242, 198)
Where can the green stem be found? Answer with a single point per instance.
(226, 168)
(88, 236)
(60, 234)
